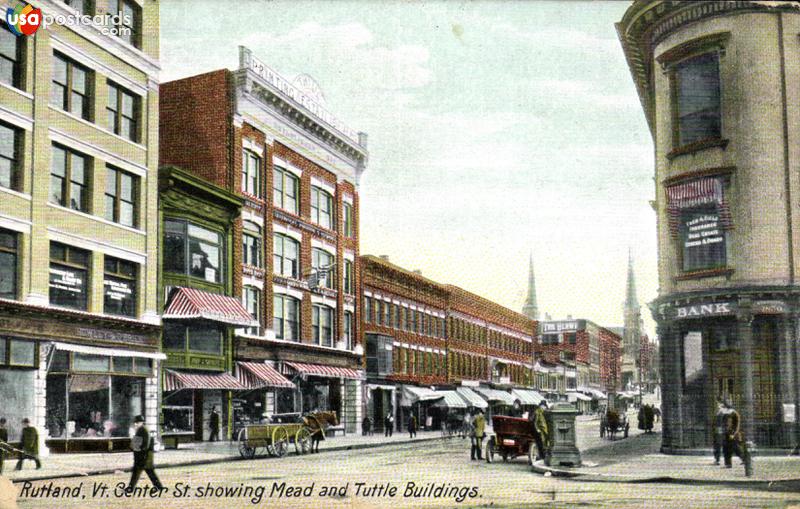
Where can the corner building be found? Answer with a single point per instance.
(295, 255)
(79, 324)
(720, 85)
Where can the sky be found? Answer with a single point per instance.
(497, 130)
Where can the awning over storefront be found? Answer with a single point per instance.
(257, 375)
(323, 371)
(451, 400)
(594, 393)
(495, 396)
(383, 387)
(577, 396)
(108, 352)
(472, 399)
(412, 394)
(175, 380)
(191, 303)
(527, 397)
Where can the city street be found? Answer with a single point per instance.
(428, 466)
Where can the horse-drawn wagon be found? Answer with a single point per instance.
(613, 422)
(513, 437)
(277, 437)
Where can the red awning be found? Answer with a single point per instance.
(257, 375)
(188, 303)
(695, 193)
(174, 380)
(322, 370)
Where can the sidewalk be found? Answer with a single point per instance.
(75, 465)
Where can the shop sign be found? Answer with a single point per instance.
(117, 289)
(67, 280)
(51, 328)
(562, 326)
(770, 307)
(710, 309)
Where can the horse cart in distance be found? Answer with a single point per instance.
(276, 438)
(613, 422)
(513, 437)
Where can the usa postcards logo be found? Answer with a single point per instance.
(23, 19)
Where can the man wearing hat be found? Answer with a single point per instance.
(142, 446)
(30, 444)
(478, 432)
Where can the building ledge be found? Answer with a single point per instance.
(700, 274)
(697, 146)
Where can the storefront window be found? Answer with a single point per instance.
(178, 411)
(192, 250)
(85, 362)
(23, 353)
(68, 276)
(120, 287)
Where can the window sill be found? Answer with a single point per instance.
(697, 146)
(700, 274)
(98, 127)
(96, 218)
(16, 90)
(13, 192)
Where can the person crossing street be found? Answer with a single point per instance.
(142, 446)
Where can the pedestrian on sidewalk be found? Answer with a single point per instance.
(388, 424)
(30, 444)
(719, 430)
(142, 446)
(477, 434)
(3, 441)
(213, 424)
(412, 426)
(540, 424)
(735, 442)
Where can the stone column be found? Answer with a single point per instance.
(744, 331)
(786, 338)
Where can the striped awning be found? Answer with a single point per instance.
(704, 191)
(573, 396)
(322, 370)
(256, 375)
(495, 396)
(472, 399)
(451, 400)
(191, 303)
(412, 394)
(174, 380)
(527, 397)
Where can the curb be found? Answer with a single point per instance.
(539, 468)
(221, 459)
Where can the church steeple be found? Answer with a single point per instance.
(631, 300)
(531, 309)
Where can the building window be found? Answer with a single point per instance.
(122, 197)
(697, 99)
(284, 190)
(123, 112)
(8, 264)
(11, 56)
(82, 6)
(202, 339)
(348, 330)
(572, 338)
(251, 244)
(285, 256)
(130, 21)
(324, 260)
(15, 352)
(286, 318)
(119, 296)
(252, 302)
(69, 179)
(192, 250)
(348, 220)
(71, 87)
(321, 207)
(251, 173)
(367, 310)
(349, 278)
(69, 271)
(10, 149)
(322, 325)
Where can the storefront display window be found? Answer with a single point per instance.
(178, 411)
(23, 353)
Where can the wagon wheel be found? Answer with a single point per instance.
(302, 441)
(490, 450)
(245, 450)
(280, 441)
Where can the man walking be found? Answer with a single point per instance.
(735, 441)
(142, 446)
(719, 430)
(388, 424)
(213, 423)
(541, 437)
(30, 444)
(412, 426)
(477, 434)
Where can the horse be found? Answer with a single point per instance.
(316, 423)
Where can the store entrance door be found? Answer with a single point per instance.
(198, 415)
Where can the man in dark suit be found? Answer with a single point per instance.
(213, 424)
(4, 440)
(142, 446)
(30, 444)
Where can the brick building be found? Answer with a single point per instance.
(420, 333)
(610, 360)
(295, 252)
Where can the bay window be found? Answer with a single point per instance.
(192, 250)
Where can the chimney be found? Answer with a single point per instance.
(384, 257)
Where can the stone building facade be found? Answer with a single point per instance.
(719, 86)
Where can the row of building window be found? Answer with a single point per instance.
(478, 334)
(407, 361)
(286, 319)
(468, 366)
(399, 317)
(70, 269)
(557, 339)
(286, 194)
